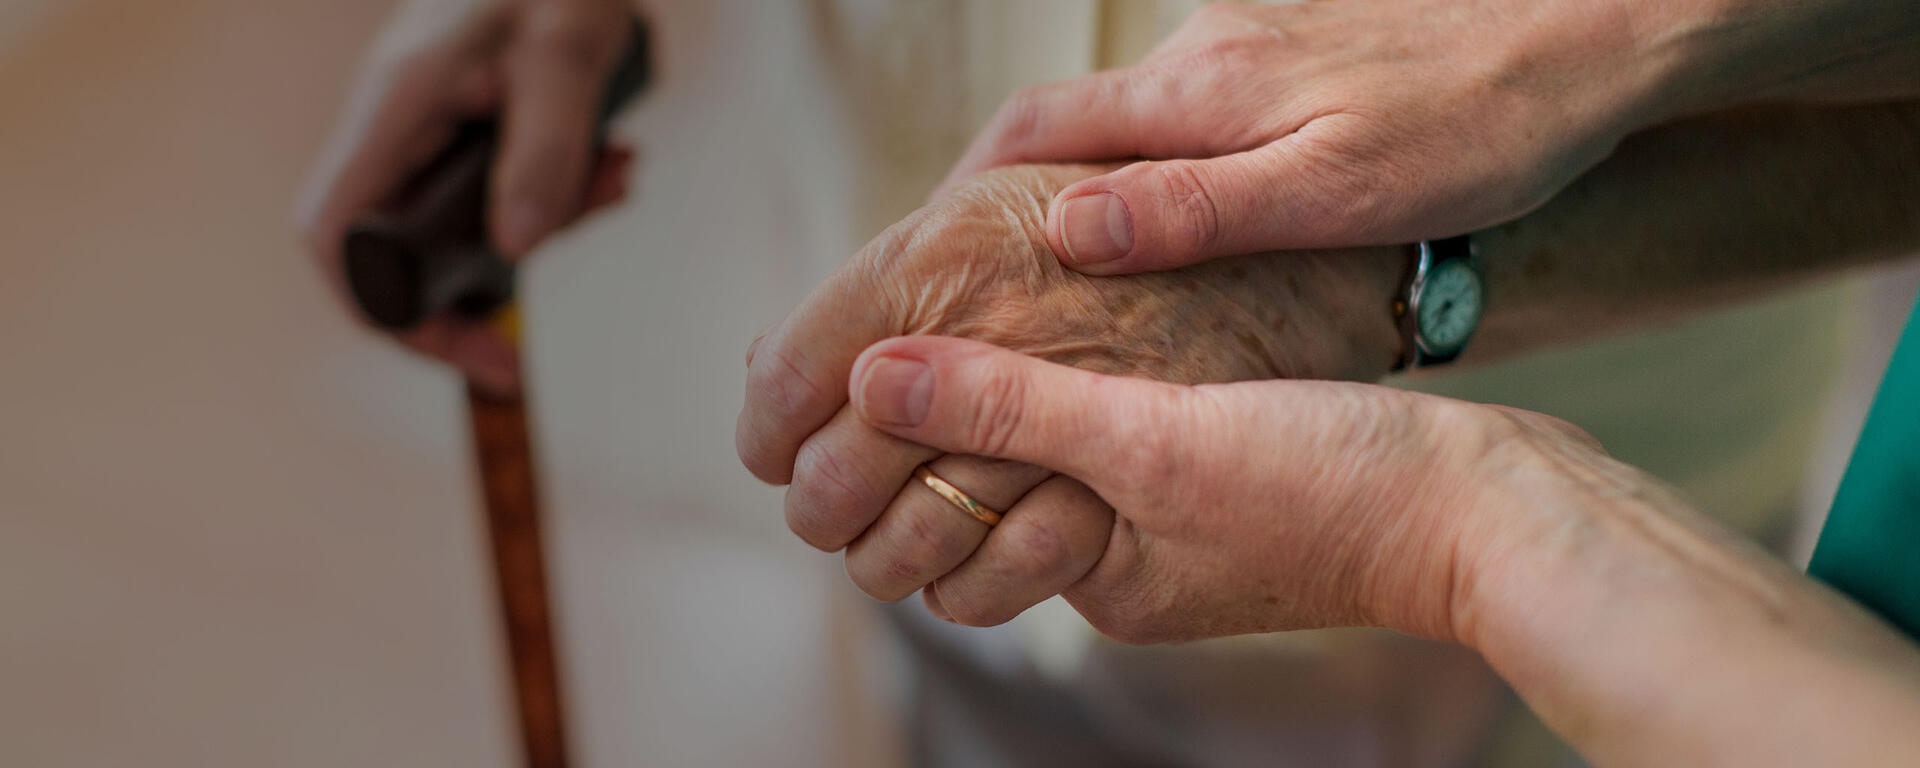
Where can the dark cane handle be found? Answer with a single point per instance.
(424, 250)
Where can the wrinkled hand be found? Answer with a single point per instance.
(1332, 124)
(1250, 507)
(1639, 629)
(541, 66)
(977, 265)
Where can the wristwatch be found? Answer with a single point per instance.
(1441, 302)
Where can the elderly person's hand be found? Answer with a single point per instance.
(1638, 629)
(1351, 122)
(975, 264)
(540, 67)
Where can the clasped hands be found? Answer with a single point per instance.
(1097, 413)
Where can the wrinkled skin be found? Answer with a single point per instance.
(1640, 630)
(976, 264)
(1243, 508)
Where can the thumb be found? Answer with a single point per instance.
(969, 397)
(1152, 216)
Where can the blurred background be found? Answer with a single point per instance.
(237, 529)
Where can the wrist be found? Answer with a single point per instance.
(1629, 622)
(1541, 525)
(1376, 278)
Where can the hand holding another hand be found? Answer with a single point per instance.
(1330, 124)
(1241, 508)
(977, 265)
(1638, 629)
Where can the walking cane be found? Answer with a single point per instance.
(424, 252)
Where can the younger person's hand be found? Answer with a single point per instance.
(1209, 510)
(1364, 122)
(1638, 629)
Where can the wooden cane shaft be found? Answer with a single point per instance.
(505, 453)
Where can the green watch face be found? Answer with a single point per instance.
(1449, 307)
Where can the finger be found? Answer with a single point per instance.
(1048, 541)
(555, 68)
(844, 476)
(922, 535)
(797, 377)
(1161, 215)
(1115, 115)
(972, 398)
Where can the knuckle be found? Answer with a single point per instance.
(822, 481)
(782, 385)
(997, 413)
(1038, 552)
(1196, 215)
(1342, 183)
(1230, 49)
(1222, 40)
(821, 505)
(1018, 122)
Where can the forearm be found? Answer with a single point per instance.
(1702, 212)
(1646, 635)
(1724, 53)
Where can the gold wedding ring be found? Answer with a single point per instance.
(957, 497)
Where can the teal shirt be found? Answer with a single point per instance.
(1870, 547)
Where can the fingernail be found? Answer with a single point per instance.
(897, 391)
(525, 224)
(1096, 228)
